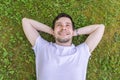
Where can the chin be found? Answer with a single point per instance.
(63, 40)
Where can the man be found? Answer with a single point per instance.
(61, 60)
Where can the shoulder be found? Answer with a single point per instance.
(83, 45)
(83, 48)
(40, 42)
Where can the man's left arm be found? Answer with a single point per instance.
(95, 33)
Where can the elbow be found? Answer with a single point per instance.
(102, 27)
(24, 20)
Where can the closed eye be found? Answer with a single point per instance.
(67, 25)
(59, 25)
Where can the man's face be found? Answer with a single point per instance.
(63, 30)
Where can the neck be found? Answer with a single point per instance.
(64, 44)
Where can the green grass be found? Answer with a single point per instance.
(16, 56)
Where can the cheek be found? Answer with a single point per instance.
(55, 32)
(71, 31)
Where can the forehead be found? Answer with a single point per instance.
(63, 20)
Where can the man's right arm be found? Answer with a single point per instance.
(31, 28)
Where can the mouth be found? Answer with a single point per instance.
(63, 33)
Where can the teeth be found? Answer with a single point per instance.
(63, 33)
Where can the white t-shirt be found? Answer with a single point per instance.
(55, 62)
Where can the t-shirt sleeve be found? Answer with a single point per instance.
(39, 44)
(84, 49)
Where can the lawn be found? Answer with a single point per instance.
(17, 60)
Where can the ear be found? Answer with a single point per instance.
(73, 33)
(53, 33)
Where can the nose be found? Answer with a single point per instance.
(64, 27)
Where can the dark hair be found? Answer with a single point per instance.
(62, 15)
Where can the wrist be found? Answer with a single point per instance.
(76, 32)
